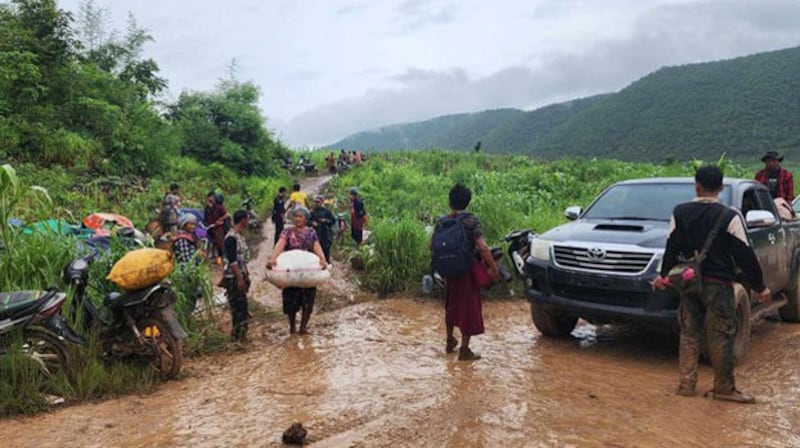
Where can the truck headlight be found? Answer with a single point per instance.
(540, 249)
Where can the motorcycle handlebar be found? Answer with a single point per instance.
(78, 267)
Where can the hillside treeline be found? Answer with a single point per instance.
(740, 107)
(77, 94)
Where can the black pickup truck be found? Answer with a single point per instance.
(599, 266)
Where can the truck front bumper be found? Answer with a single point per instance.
(600, 298)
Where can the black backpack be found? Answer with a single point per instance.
(451, 248)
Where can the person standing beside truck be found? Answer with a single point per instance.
(777, 178)
(706, 225)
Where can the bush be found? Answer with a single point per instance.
(398, 255)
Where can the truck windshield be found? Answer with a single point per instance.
(645, 201)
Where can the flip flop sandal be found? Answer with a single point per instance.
(467, 355)
(735, 396)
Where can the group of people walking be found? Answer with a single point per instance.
(344, 160)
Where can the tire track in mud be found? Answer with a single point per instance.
(375, 374)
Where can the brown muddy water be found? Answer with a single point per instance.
(375, 374)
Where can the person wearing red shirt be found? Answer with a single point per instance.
(777, 178)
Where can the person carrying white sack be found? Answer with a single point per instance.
(299, 237)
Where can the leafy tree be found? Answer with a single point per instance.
(69, 103)
(226, 126)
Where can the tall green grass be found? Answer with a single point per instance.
(398, 255)
(35, 261)
(405, 192)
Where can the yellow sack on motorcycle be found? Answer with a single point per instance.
(141, 268)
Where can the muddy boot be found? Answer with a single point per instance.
(465, 354)
(688, 358)
(450, 347)
(734, 395)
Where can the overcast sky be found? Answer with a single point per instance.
(329, 68)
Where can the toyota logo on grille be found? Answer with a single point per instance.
(596, 253)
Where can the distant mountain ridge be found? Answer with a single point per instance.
(740, 106)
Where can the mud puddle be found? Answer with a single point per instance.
(375, 374)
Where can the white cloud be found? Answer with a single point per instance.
(328, 68)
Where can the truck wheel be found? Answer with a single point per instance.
(791, 311)
(552, 325)
(743, 325)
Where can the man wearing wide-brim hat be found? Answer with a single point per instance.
(777, 178)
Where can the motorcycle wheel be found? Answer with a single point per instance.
(48, 353)
(166, 356)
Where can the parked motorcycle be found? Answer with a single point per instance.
(342, 166)
(142, 323)
(305, 166)
(253, 222)
(519, 248)
(44, 331)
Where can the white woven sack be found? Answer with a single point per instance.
(297, 268)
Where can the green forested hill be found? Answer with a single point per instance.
(460, 132)
(741, 106)
(523, 132)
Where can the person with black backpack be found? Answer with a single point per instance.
(459, 252)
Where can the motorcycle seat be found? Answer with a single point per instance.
(11, 302)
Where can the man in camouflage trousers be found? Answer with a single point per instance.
(710, 314)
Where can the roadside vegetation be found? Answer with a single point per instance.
(35, 260)
(405, 192)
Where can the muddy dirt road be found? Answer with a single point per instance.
(375, 374)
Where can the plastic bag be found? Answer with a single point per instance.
(297, 268)
(141, 268)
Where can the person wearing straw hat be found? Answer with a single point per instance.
(777, 178)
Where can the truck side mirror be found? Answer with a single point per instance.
(574, 212)
(760, 218)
